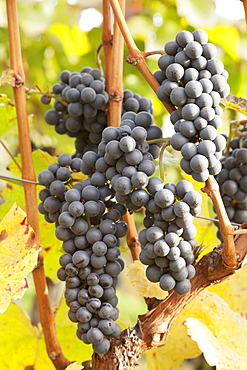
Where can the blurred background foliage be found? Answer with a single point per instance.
(65, 34)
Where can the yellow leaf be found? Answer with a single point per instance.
(234, 291)
(22, 345)
(227, 326)
(216, 352)
(18, 251)
(176, 349)
(74, 366)
(137, 276)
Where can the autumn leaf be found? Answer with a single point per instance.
(18, 255)
(176, 349)
(236, 103)
(234, 291)
(7, 77)
(226, 331)
(22, 345)
(136, 274)
(216, 352)
(225, 325)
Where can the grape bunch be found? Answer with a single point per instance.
(56, 180)
(133, 102)
(126, 159)
(90, 268)
(232, 181)
(91, 239)
(79, 107)
(168, 239)
(194, 81)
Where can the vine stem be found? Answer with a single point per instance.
(136, 56)
(116, 81)
(227, 229)
(46, 316)
(245, 9)
(132, 237)
(107, 35)
(115, 91)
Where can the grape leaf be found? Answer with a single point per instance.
(7, 77)
(7, 116)
(144, 287)
(234, 291)
(19, 251)
(236, 103)
(49, 243)
(227, 326)
(218, 350)
(212, 311)
(26, 342)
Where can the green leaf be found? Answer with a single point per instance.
(236, 103)
(74, 41)
(7, 115)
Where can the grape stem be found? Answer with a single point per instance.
(50, 94)
(132, 237)
(46, 316)
(136, 56)
(226, 228)
(163, 140)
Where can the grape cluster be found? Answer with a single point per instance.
(79, 107)
(133, 102)
(232, 181)
(126, 159)
(168, 239)
(194, 81)
(56, 180)
(91, 239)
